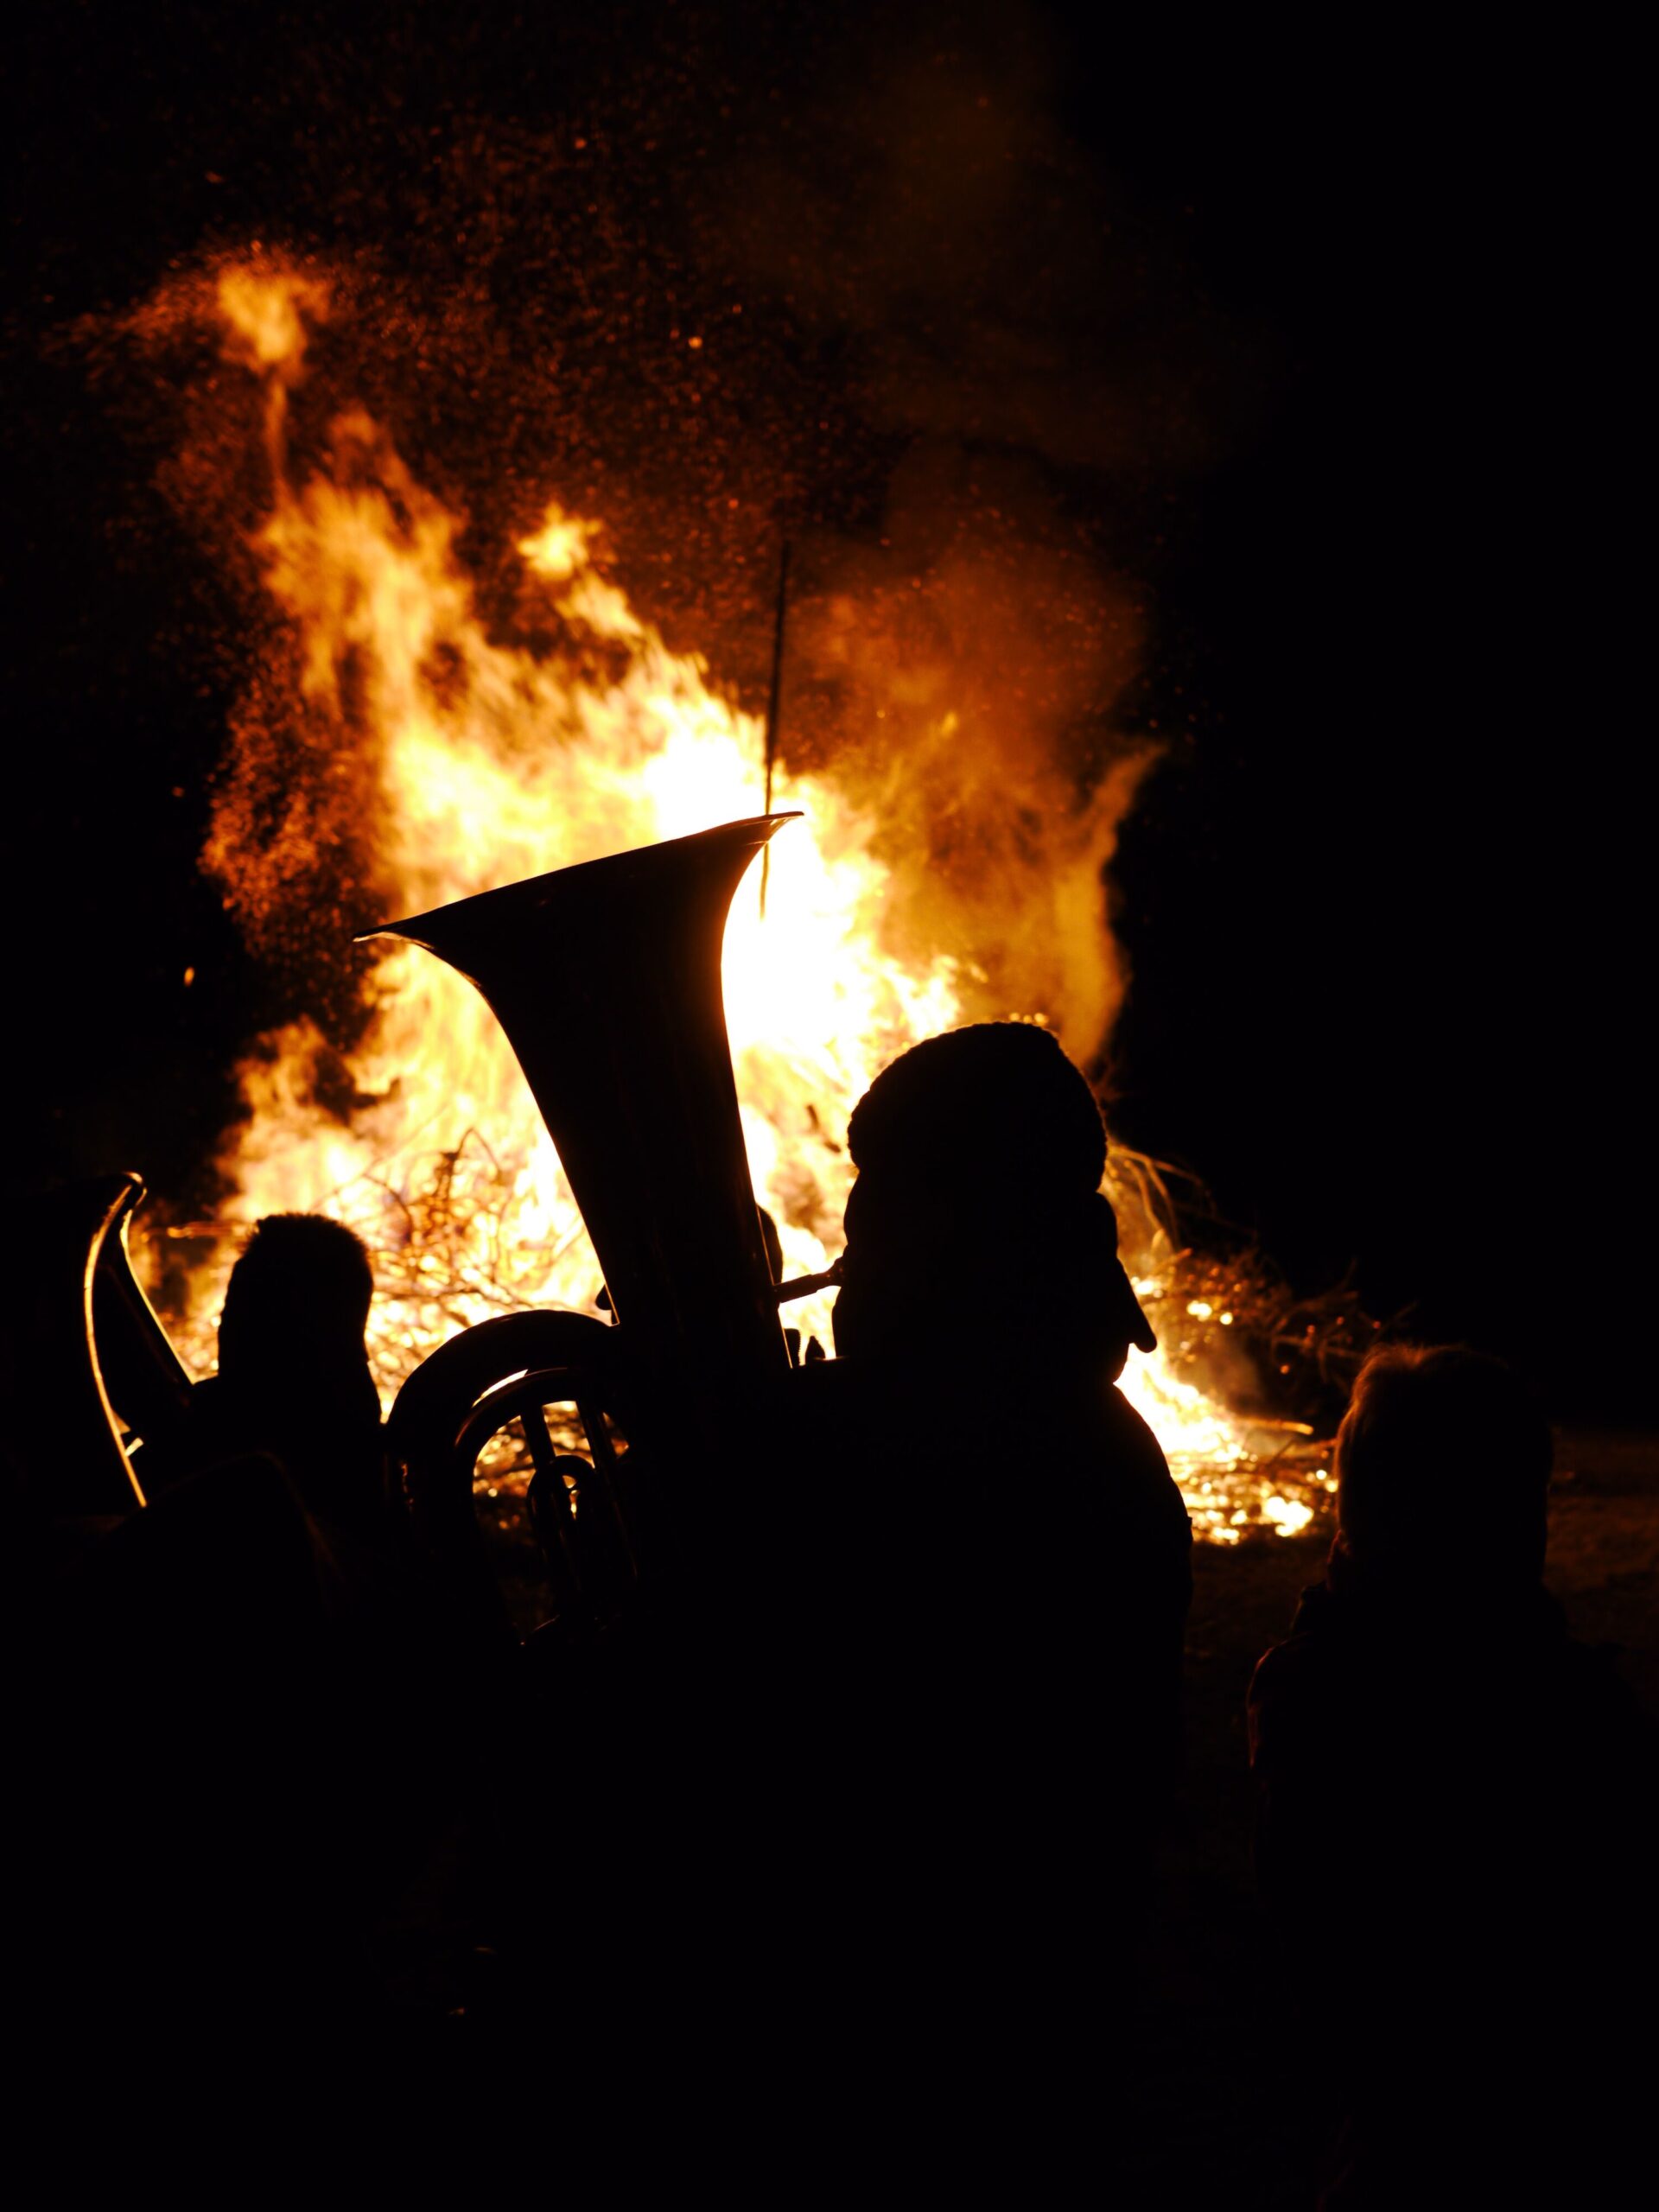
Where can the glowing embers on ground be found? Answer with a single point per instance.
(1237, 1474)
(423, 755)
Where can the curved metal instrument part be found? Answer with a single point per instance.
(90, 1363)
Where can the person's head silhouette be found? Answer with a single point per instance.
(301, 1289)
(291, 1352)
(1450, 1439)
(978, 1209)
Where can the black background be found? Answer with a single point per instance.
(1384, 900)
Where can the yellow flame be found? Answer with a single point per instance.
(265, 315)
(560, 547)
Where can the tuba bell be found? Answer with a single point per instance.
(606, 978)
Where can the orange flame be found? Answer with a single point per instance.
(477, 762)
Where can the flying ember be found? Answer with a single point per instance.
(392, 723)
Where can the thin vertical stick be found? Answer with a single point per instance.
(772, 703)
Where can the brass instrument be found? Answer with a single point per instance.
(90, 1368)
(607, 979)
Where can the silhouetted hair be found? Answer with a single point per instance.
(302, 1281)
(999, 1102)
(1449, 1440)
(979, 1156)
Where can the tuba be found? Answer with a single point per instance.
(606, 978)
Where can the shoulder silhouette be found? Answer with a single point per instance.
(1453, 1791)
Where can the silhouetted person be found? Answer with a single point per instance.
(983, 1320)
(293, 1376)
(1009, 1559)
(276, 1680)
(1455, 1823)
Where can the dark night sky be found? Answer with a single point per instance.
(1385, 899)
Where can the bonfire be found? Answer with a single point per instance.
(393, 733)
